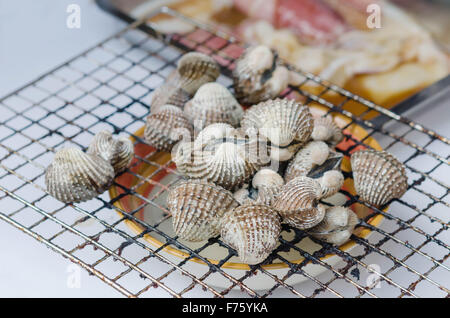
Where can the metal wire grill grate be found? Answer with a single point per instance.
(110, 86)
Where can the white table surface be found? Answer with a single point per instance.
(33, 39)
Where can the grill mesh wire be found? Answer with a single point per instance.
(109, 87)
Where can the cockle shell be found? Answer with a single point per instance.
(325, 129)
(330, 183)
(283, 122)
(166, 127)
(315, 153)
(337, 225)
(213, 103)
(258, 77)
(243, 195)
(170, 93)
(197, 207)
(378, 176)
(218, 155)
(298, 203)
(195, 69)
(75, 176)
(118, 152)
(268, 183)
(252, 230)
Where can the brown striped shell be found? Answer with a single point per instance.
(378, 176)
(315, 153)
(197, 207)
(252, 230)
(213, 103)
(268, 183)
(281, 121)
(118, 152)
(337, 225)
(195, 69)
(325, 129)
(330, 183)
(169, 94)
(75, 176)
(166, 127)
(258, 77)
(298, 203)
(218, 155)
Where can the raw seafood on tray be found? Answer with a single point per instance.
(332, 39)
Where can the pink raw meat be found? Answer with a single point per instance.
(311, 20)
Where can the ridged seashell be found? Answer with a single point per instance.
(197, 207)
(378, 176)
(75, 176)
(195, 69)
(252, 230)
(268, 183)
(325, 129)
(315, 153)
(118, 152)
(337, 225)
(333, 162)
(283, 122)
(330, 183)
(257, 77)
(217, 155)
(170, 93)
(298, 204)
(213, 103)
(166, 127)
(243, 195)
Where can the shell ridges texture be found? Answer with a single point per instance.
(378, 176)
(281, 121)
(252, 230)
(197, 208)
(298, 204)
(75, 176)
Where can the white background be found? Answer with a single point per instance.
(33, 39)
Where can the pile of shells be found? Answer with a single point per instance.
(75, 176)
(245, 172)
(248, 172)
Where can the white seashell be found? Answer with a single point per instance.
(298, 204)
(337, 225)
(213, 103)
(252, 230)
(378, 176)
(218, 155)
(285, 123)
(197, 208)
(170, 93)
(243, 196)
(268, 183)
(75, 176)
(166, 127)
(118, 152)
(195, 69)
(258, 77)
(330, 183)
(325, 129)
(315, 153)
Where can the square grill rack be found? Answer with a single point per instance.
(109, 87)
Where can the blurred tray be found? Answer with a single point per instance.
(131, 10)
